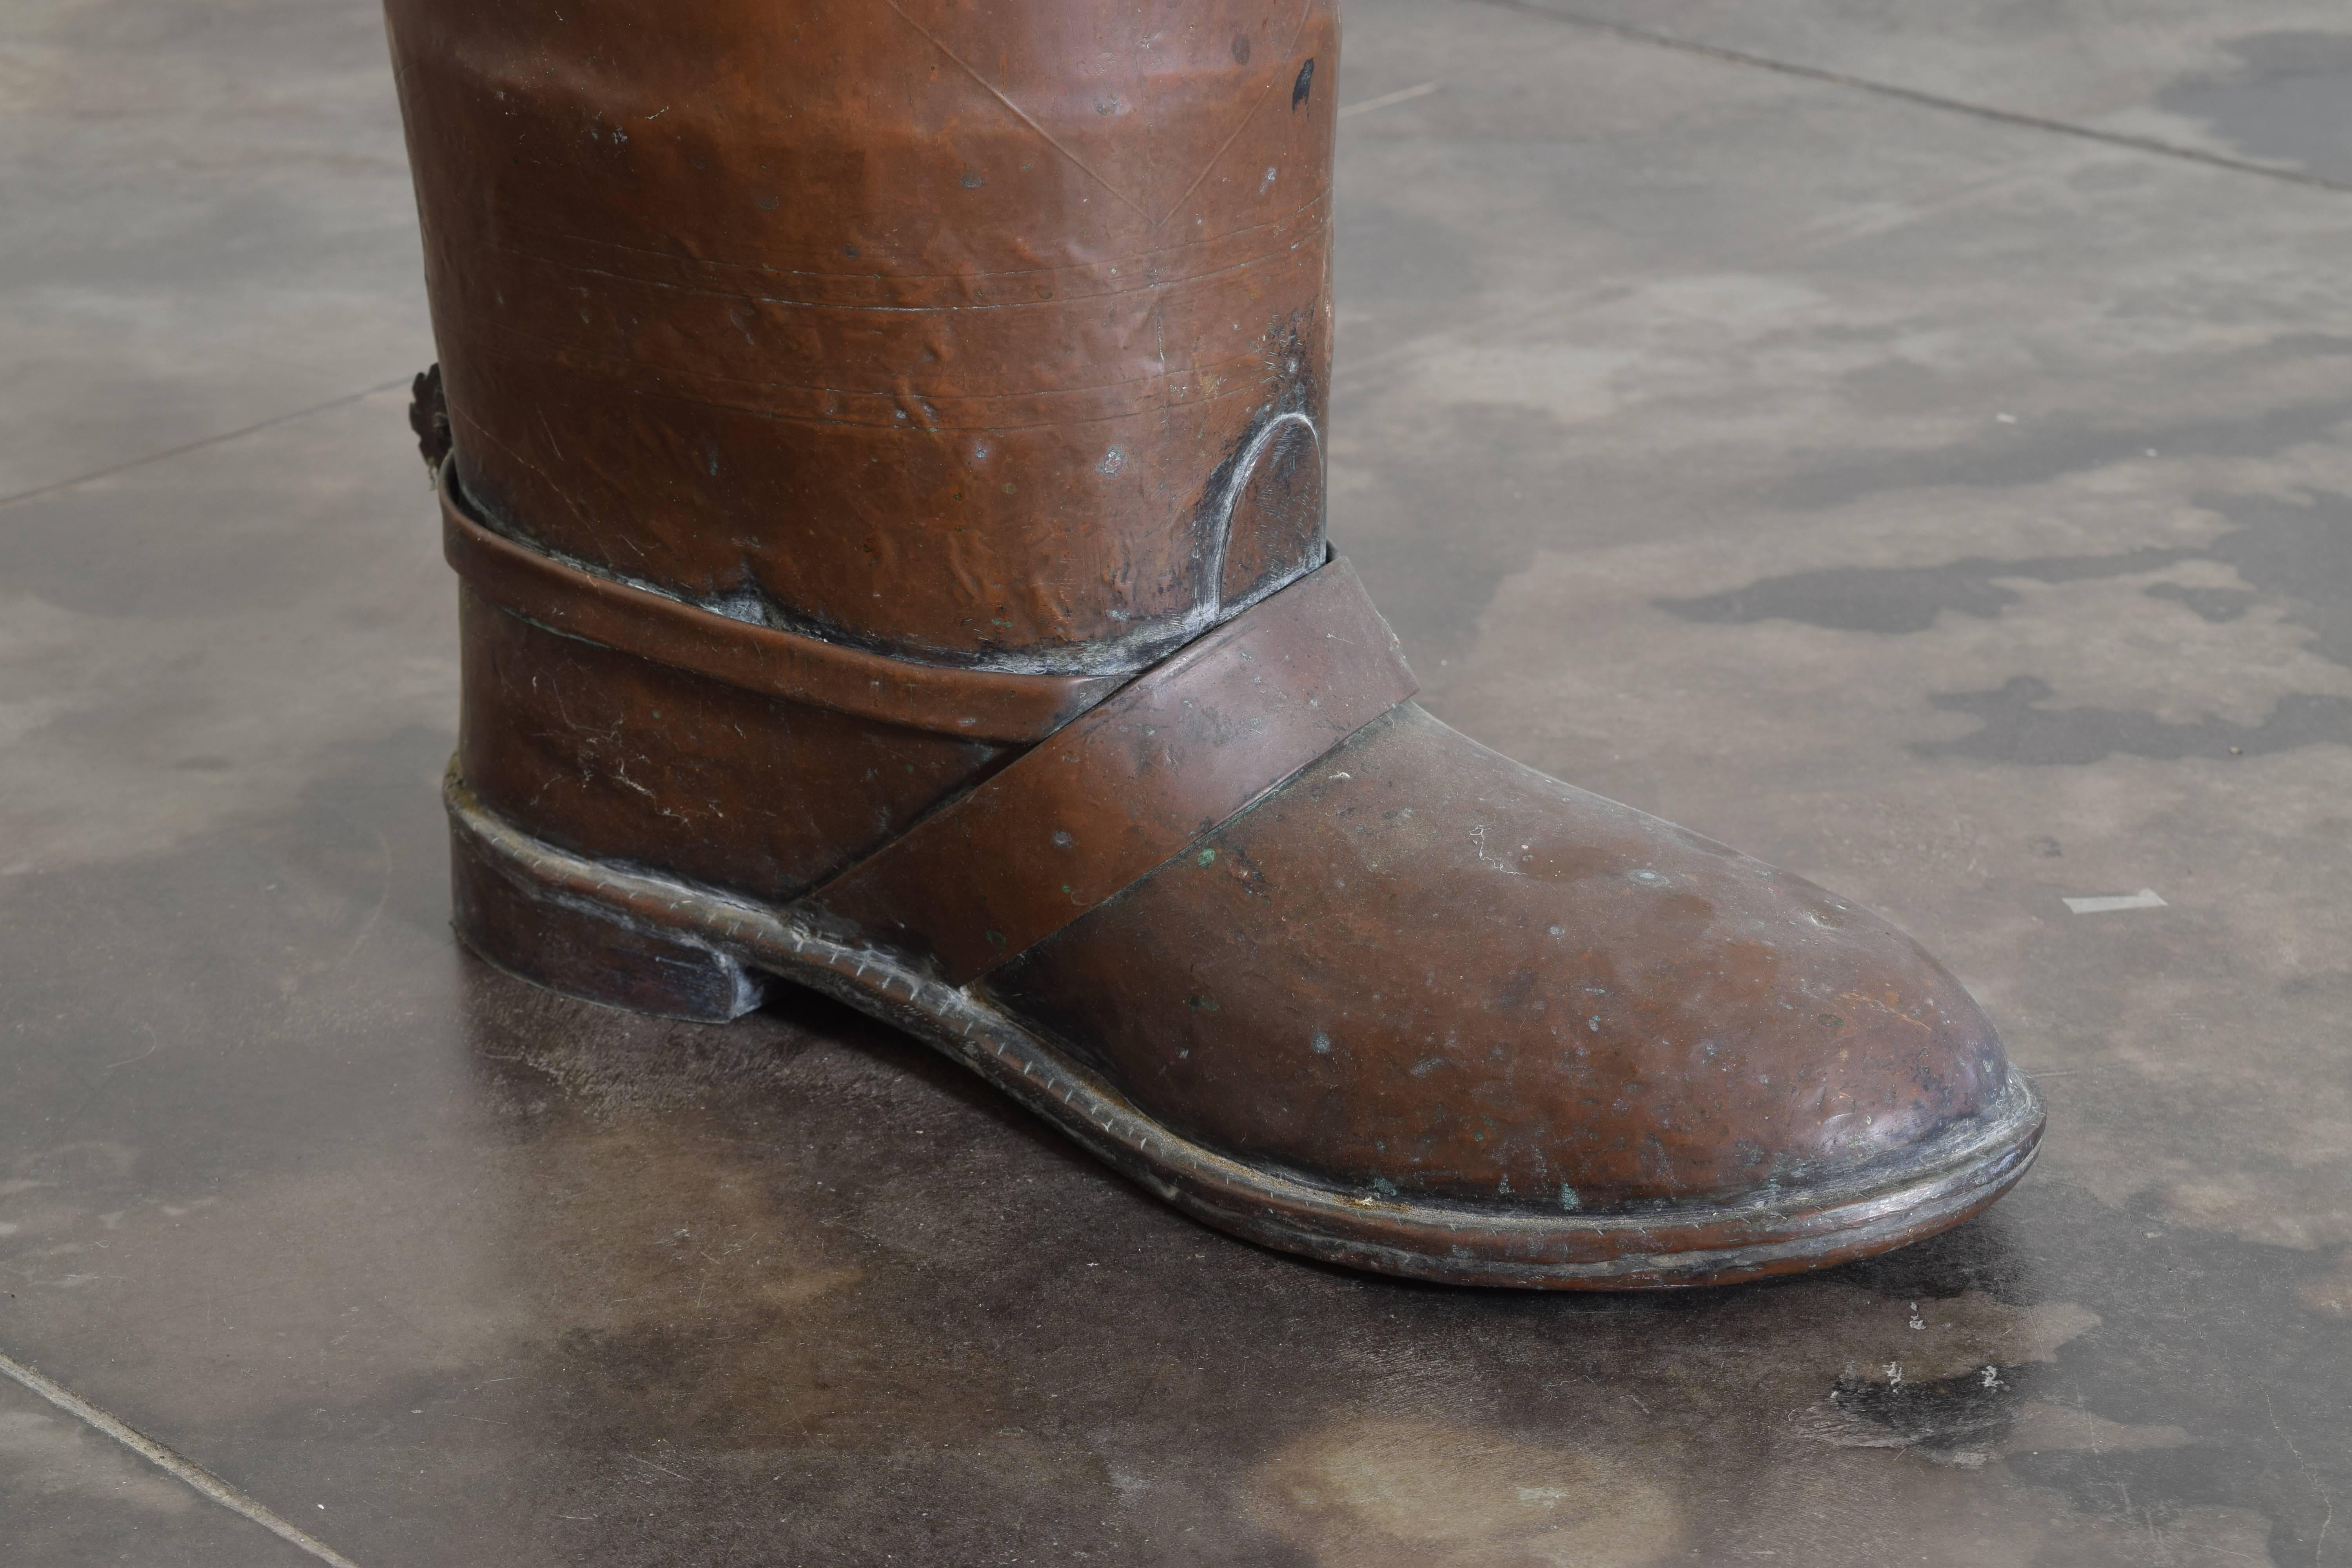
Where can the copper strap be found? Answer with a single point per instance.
(985, 705)
(1134, 783)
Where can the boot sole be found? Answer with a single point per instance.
(650, 944)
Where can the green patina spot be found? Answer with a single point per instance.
(996, 939)
(1206, 856)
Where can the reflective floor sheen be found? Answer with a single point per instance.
(1954, 509)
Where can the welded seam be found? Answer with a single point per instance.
(1924, 100)
(195, 1476)
(1210, 600)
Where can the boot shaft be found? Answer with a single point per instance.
(989, 337)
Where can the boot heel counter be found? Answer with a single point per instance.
(626, 758)
(567, 944)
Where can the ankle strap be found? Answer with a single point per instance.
(974, 704)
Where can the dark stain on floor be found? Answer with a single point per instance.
(2301, 550)
(2298, 550)
(2051, 447)
(2289, 101)
(1901, 599)
(1955, 1419)
(2297, 553)
(2017, 728)
(2215, 604)
(2259, 1402)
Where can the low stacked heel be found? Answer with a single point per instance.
(571, 944)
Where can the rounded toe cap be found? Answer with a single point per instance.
(1425, 971)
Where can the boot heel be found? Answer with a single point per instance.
(568, 944)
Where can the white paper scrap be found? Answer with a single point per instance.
(2100, 904)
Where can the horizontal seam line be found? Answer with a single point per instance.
(576, 373)
(1052, 303)
(1321, 198)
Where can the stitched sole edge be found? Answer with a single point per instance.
(1935, 1184)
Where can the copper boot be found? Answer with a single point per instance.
(887, 492)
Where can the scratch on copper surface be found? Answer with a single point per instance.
(1021, 113)
(865, 307)
(1322, 197)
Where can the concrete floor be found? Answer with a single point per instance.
(1820, 441)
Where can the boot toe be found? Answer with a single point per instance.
(1425, 971)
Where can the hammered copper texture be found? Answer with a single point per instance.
(1096, 808)
(778, 305)
(1422, 959)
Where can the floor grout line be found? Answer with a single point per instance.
(1402, 95)
(35, 493)
(155, 1452)
(1925, 99)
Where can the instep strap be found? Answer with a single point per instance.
(1134, 782)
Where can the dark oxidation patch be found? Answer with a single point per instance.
(1304, 85)
(2017, 729)
(2288, 101)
